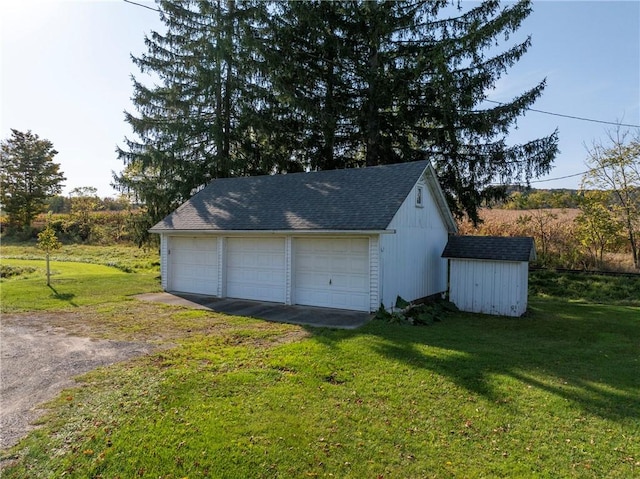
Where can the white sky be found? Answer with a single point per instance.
(65, 75)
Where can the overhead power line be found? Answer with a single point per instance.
(561, 177)
(550, 179)
(142, 5)
(572, 117)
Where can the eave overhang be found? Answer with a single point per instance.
(175, 232)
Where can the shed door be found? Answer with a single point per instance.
(193, 265)
(332, 272)
(256, 269)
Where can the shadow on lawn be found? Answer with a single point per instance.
(578, 352)
(63, 296)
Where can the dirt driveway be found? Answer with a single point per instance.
(38, 360)
(41, 353)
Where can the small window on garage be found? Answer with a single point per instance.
(419, 197)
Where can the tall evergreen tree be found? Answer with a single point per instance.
(28, 176)
(192, 124)
(468, 141)
(309, 78)
(248, 87)
(412, 81)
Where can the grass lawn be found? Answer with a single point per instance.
(80, 276)
(72, 285)
(553, 394)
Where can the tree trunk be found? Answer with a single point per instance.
(228, 84)
(372, 122)
(634, 249)
(48, 271)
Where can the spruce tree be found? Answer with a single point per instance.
(253, 87)
(412, 78)
(308, 77)
(190, 123)
(466, 139)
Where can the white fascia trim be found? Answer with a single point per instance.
(440, 199)
(273, 232)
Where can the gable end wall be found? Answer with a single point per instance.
(411, 264)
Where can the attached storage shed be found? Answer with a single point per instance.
(489, 274)
(347, 239)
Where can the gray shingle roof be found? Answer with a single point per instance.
(348, 199)
(496, 248)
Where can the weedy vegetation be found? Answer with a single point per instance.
(126, 258)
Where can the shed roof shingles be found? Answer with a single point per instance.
(495, 248)
(348, 199)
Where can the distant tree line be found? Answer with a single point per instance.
(83, 217)
(30, 184)
(85, 196)
(531, 198)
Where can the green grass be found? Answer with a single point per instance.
(586, 287)
(82, 275)
(388, 400)
(553, 394)
(126, 258)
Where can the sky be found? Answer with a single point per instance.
(65, 74)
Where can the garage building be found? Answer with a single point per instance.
(349, 239)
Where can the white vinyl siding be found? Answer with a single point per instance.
(410, 260)
(164, 262)
(332, 272)
(374, 273)
(256, 268)
(192, 265)
(288, 266)
(489, 287)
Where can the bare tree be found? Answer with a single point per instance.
(540, 223)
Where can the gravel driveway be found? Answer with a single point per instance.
(37, 361)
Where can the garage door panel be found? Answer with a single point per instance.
(309, 280)
(317, 261)
(349, 301)
(193, 265)
(360, 264)
(312, 297)
(332, 272)
(256, 269)
(350, 282)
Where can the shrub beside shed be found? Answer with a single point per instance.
(489, 274)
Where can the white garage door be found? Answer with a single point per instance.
(193, 265)
(256, 269)
(332, 273)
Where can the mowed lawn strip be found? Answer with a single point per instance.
(72, 285)
(553, 394)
